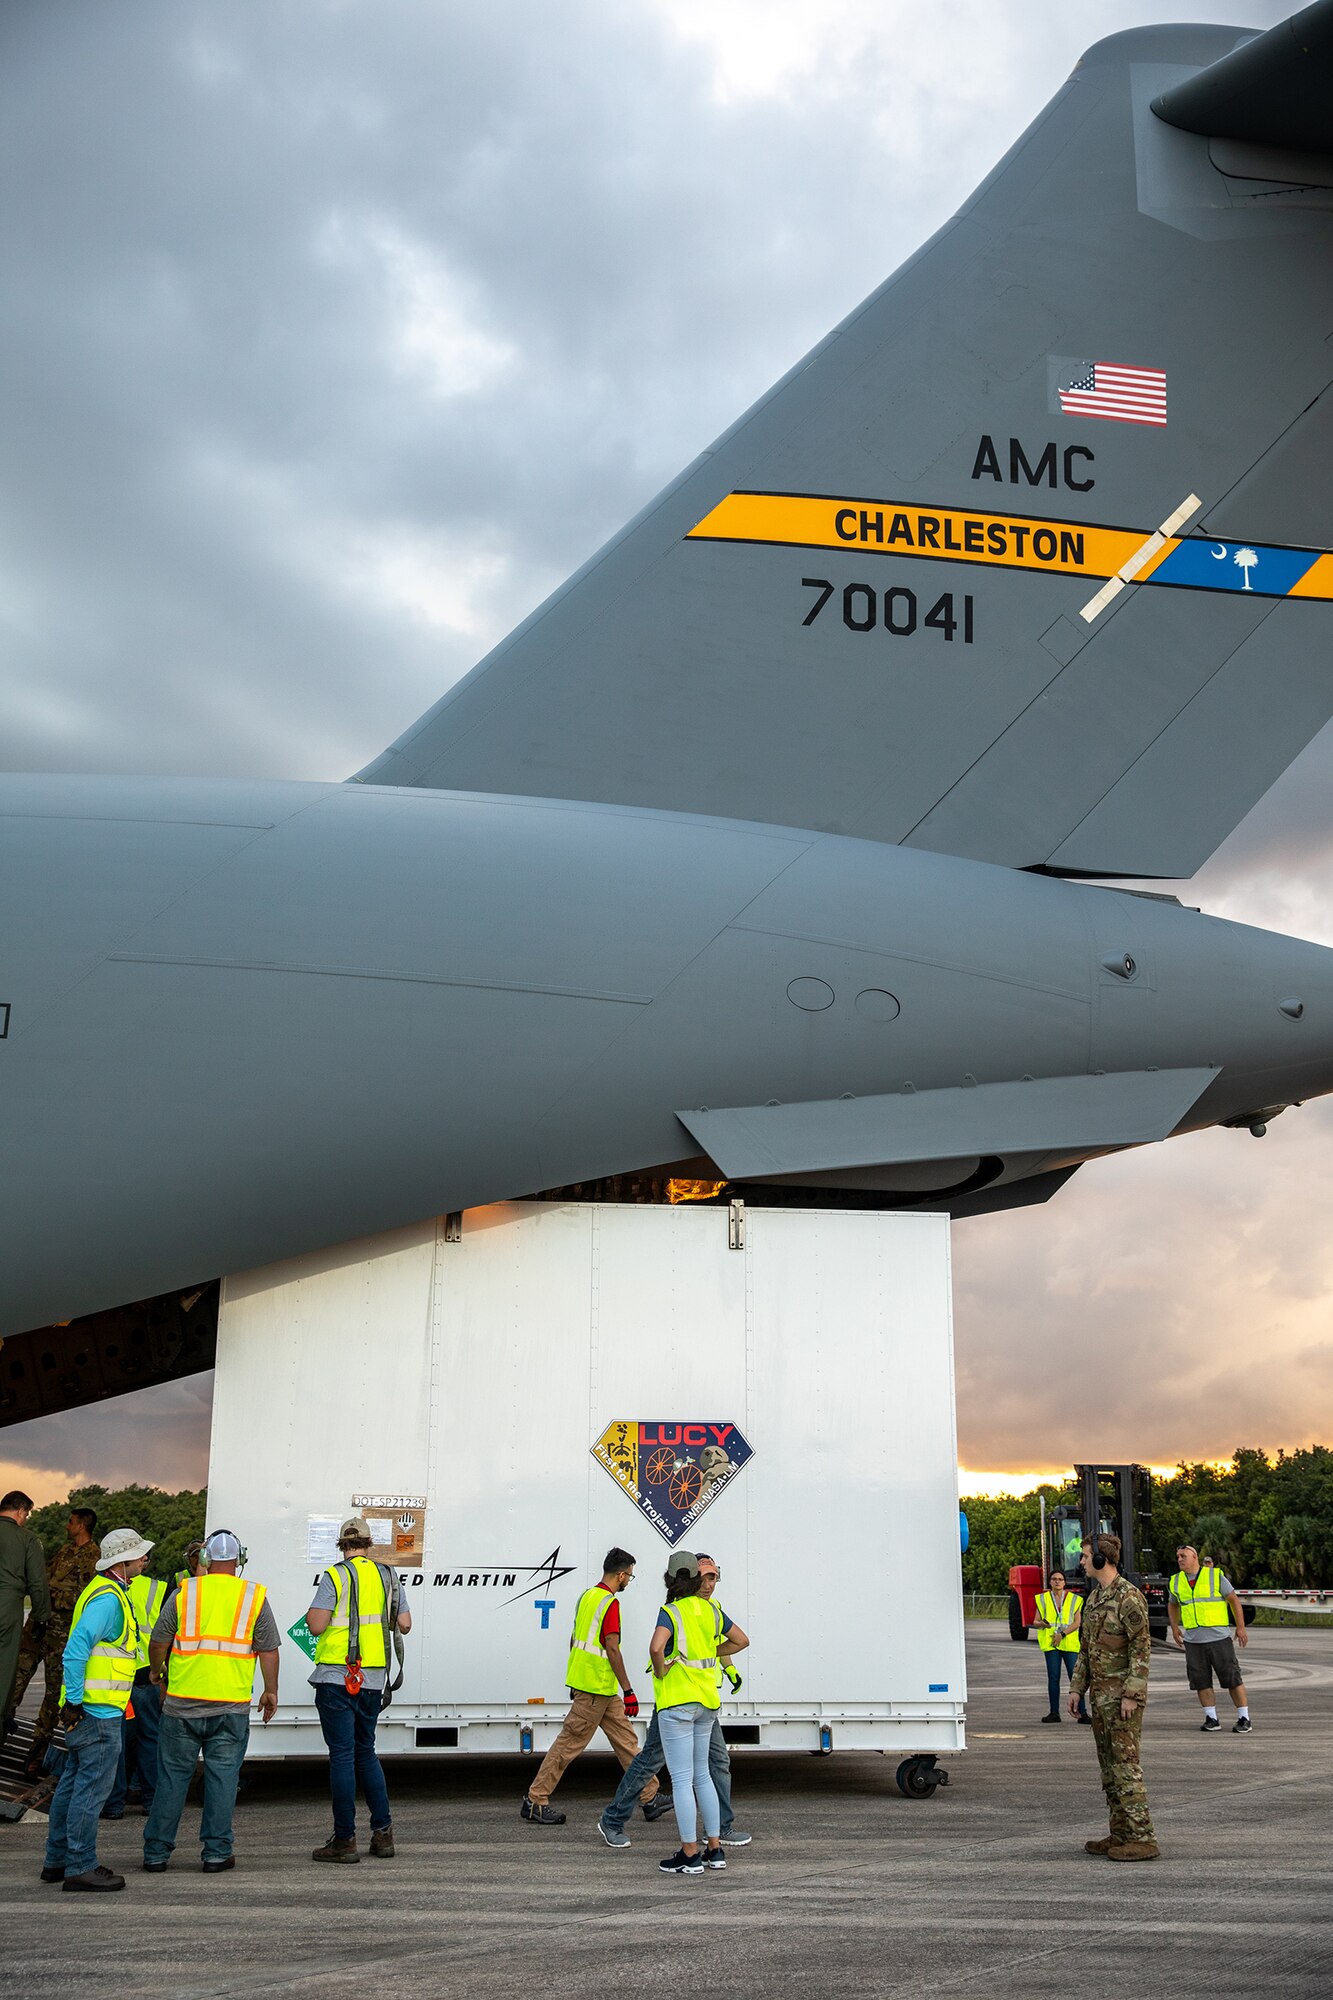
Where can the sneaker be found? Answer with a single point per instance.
(1052, 1717)
(1241, 1727)
(381, 1843)
(712, 1857)
(611, 1836)
(94, 1878)
(659, 1806)
(336, 1850)
(540, 1815)
(1209, 1724)
(681, 1863)
(155, 1868)
(1087, 1719)
(112, 1812)
(218, 1866)
(733, 1837)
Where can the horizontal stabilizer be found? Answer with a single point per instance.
(1056, 1114)
(1276, 90)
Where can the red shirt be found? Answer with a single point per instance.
(610, 1626)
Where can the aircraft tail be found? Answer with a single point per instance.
(1031, 560)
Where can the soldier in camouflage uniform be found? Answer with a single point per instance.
(69, 1573)
(1114, 1650)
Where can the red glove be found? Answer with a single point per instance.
(631, 1701)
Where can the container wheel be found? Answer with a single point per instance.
(918, 1778)
(1017, 1629)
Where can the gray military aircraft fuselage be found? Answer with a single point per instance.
(1025, 574)
(337, 1007)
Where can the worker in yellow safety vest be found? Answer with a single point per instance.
(101, 1655)
(685, 1653)
(357, 1616)
(1203, 1606)
(147, 1596)
(600, 1693)
(1058, 1611)
(202, 1655)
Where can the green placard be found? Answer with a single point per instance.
(303, 1636)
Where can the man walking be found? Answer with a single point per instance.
(22, 1575)
(651, 1760)
(600, 1694)
(202, 1655)
(358, 1606)
(1115, 1648)
(68, 1575)
(99, 1674)
(1202, 1607)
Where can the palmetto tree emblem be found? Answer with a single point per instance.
(1246, 560)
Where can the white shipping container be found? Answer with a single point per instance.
(456, 1388)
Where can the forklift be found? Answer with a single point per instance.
(1105, 1499)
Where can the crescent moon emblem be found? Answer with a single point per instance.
(1220, 553)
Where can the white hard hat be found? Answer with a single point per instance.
(122, 1545)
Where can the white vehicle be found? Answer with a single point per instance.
(507, 1395)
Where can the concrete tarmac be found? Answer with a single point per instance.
(848, 1889)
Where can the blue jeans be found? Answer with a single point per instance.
(687, 1732)
(1053, 1659)
(141, 1733)
(348, 1722)
(651, 1760)
(221, 1739)
(92, 1751)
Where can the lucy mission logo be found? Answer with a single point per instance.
(672, 1472)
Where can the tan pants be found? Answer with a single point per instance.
(588, 1713)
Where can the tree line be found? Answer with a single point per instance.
(171, 1521)
(1267, 1521)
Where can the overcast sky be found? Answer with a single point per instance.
(336, 335)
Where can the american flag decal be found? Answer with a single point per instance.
(1127, 395)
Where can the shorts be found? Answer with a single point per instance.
(1206, 1657)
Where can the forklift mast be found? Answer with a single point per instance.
(1105, 1499)
(1117, 1500)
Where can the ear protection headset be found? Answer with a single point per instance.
(242, 1555)
(1098, 1553)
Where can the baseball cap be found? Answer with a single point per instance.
(682, 1562)
(355, 1529)
(122, 1545)
(222, 1546)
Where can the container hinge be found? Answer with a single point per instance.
(736, 1225)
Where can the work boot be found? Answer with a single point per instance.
(540, 1815)
(53, 1874)
(381, 1842)
(94, 1878)
(337, 1850)
(1098, 1846)
(1133, 1850)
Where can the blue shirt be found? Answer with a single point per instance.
(102, 1617)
